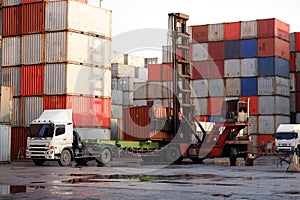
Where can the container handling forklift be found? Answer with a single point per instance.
(62, 143)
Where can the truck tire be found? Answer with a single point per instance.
(65, 158)
(232, 156)
(173, 155)
(105, 157)
(38, 162)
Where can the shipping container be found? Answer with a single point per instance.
(11, 20)
(11, 2)
(249, 86)
(266, 124)
(297, 81)
(250, 130)
(72, 15)
(293, 118)
(293, 62)
(5, 190)
(249, 48)
(117, 97)
(270, 105)
(248, 29)
(86, 111)
(249, 67)
(273, 86)
(115, 129)
(128, 98)
(117, 111)
(281, 119)
(11, 51)
(297, 102)
(5, 143)
(297, 41)
(297, 118)
(140, 90)
(31, 109)
(18, 142)
(232, 49)
(200, 52)
(154, 72)
(216, 87)
(126, 84)
(32, 79)
(216, 69)
(273, 28)
(134, 60)
(11, 77)
(200, 88)
(216, 119)
(200, 70)
(120, 70)
(166, 72)
(253, 108)
(262, 141)
(297, 60)
(233, 87)
(32, 49)
(78, 48)
(155, 90)
(200, 33)
(33, 18)
(201, 106)
(273, 47)
(142, 102)
(77, 79)
(232, 31)
(215, 32)
(215, 106)
(292, 42)
(293, 102)
(141, 73)
(16, 116)
(216, 50)
(232, 68)
(93, 133)
(273, 66)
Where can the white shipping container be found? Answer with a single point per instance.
(11, 77)
(233, 87)
(201, 105)
(120, 70)
(126, 84)
(266, 86)
(78, 48)
(292, 42)
(216, 87)
(11, 2)
(282, 86)
(72, 15)
(297, 61)
(249, 67)
(266, 124)
(116, 111)
(232, 68)
(5, 143)
(134, 60)
(215, 32)
(292, 82)
(77, 79)
(117, 97)
(31, 108)
(249, 29)
(93, 133)
(16, 116)
(117, 57)
(200, 52)
(141, 73)
(11, 51)
(200, 88)
(114, 84)
(293, 102)
(128, 98)
(32, 49)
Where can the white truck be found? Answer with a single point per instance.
(51, 137)
(287, 138)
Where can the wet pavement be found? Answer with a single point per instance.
(132, 179)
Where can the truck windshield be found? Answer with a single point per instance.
(286, 135)
(40, 130)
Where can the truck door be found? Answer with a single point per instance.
(60, 138)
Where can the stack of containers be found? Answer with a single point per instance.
(126, 71)
(295, 77)
(247, 59)
(56, 57)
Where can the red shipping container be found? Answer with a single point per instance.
(215, 106)
(32, 80)
(167, 72)
(216, 50)
(232, 31)
(200, 70)
(33, 18)
(273, 28)
(273, 47)
(154, 72)
(200, 33)
(253, 104)
(292, 62)
(202, 118)
(216, 69)
(11, 21)
(262, 143)
(297, 41)
(18, 142)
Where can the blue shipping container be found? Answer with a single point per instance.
(232, 49)
(273, 66)
(249, 86)
(249, 48)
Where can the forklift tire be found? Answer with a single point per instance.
(65, 158)
(105, 157)
(38, 162)
(81, 161)
(173, 155)
(232, 156)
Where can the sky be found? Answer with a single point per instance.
(129, 15)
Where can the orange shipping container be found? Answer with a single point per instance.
(232, 31)
(273, 47)
(32, 80)
(33, 18)
(273, 28)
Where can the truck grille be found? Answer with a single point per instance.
(38, 150)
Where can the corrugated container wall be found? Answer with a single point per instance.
(18, 141)
(215, 32)
(200, 33)
(31, 108)
(32, 49)
(249, 67)
(11, 21)
(273, 28)
(11, 77)
(273, 47)
(5, 143)
(11, 50)
(11, 2)
(32, 79)
(248, 29)
(33, 18)
(232, 31)
(16, 116)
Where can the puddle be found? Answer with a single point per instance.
(12, 189)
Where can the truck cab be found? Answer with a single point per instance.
(287, 138)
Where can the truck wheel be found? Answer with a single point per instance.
(105, 157)
(81, 161)
(173, 155)
(65, 158)
(38, 162)
(232, 156)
